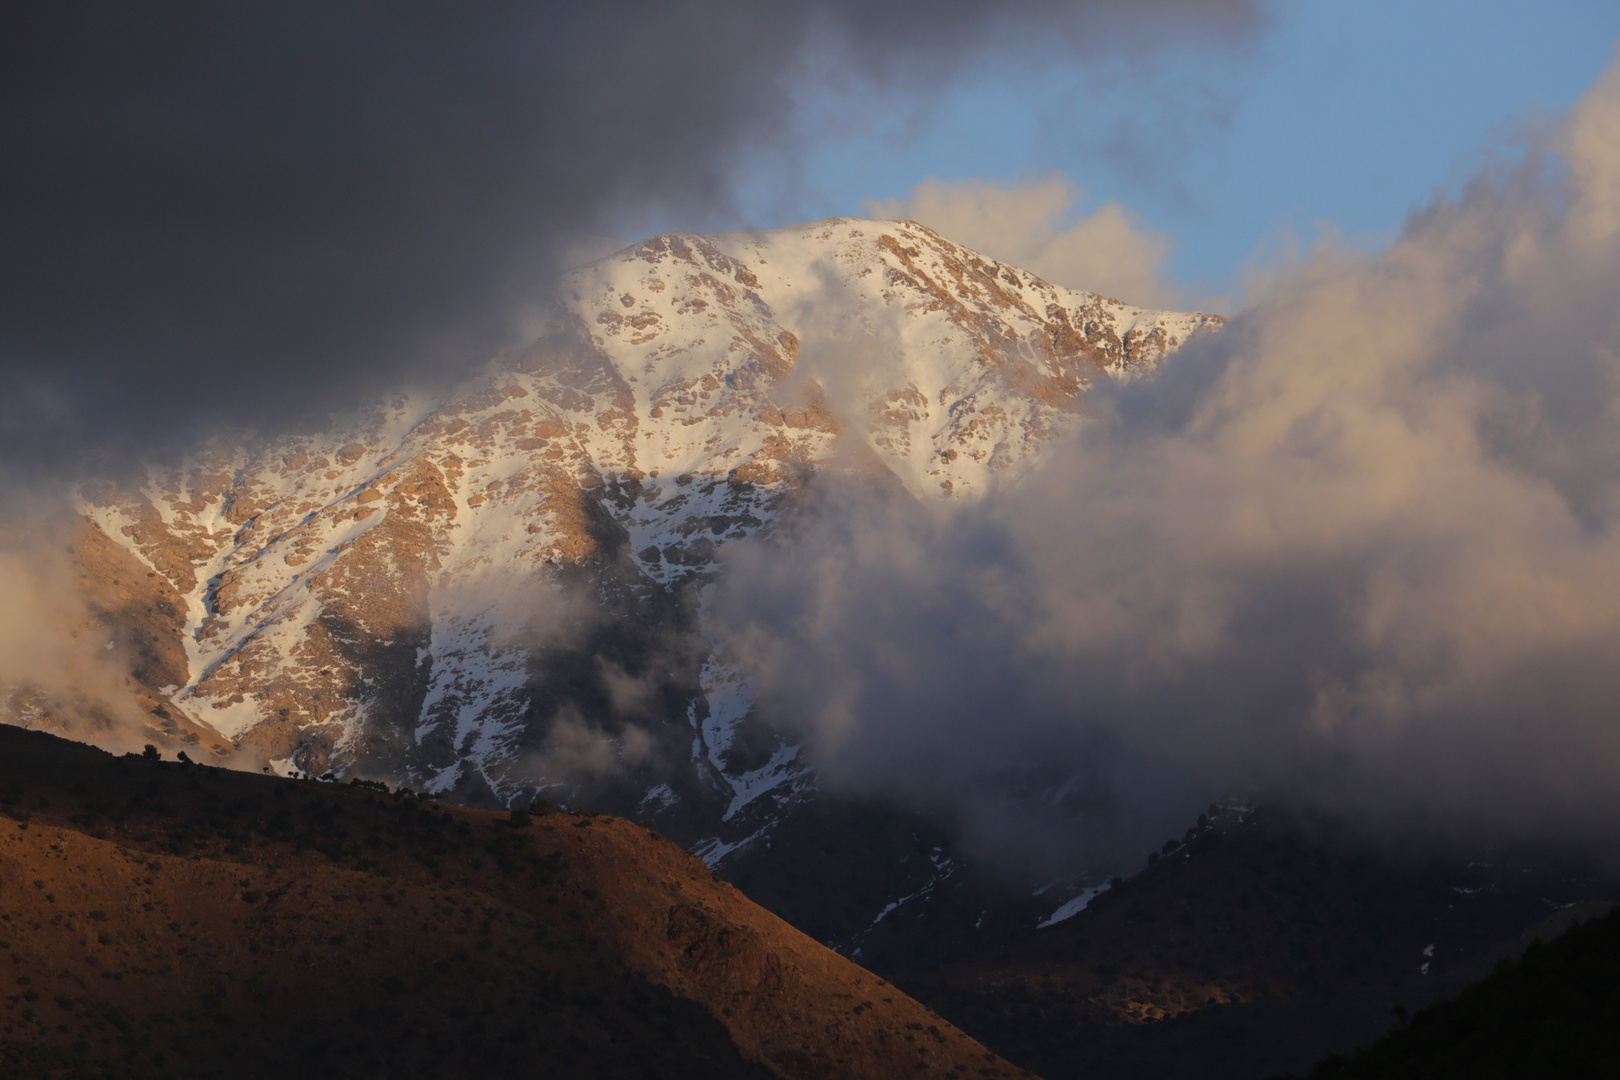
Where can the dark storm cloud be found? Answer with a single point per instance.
(1362, 548)
(224, 214)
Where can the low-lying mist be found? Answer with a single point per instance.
(1361, 550)
(61, 668)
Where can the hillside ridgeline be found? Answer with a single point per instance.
(167, 918)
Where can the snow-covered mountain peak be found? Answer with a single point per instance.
(949, 366)
(345, 600)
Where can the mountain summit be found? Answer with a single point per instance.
(494, 591)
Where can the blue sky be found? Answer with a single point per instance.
(1342, 113)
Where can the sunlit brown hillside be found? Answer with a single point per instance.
(164, 918)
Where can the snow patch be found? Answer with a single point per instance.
(749, 786)
(1073, 907)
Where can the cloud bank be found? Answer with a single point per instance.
(1362, 549)
(226, 216)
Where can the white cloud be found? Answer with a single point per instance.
(1034, 225)
(1364, 545)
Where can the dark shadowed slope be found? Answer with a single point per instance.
(1257, 945)
(1554, 1013)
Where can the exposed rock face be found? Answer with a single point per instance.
(494, 592)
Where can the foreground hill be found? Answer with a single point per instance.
(181, 920)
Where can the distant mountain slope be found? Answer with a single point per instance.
(191, 921)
